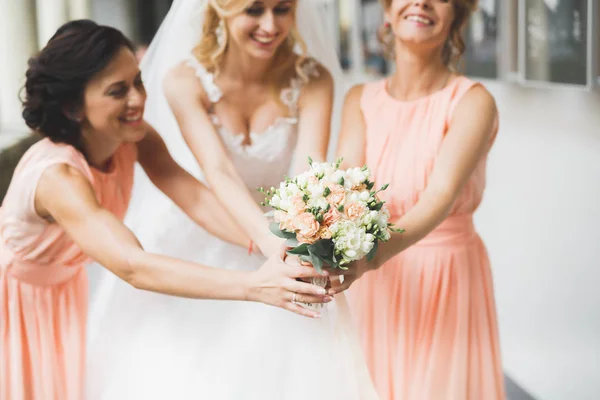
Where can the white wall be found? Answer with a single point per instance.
(540, 221)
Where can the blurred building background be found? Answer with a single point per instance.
(541, 61)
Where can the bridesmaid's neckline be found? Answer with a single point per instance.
(450, 84)
(110, 170)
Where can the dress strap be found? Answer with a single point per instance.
(207, 79)
(291, 94)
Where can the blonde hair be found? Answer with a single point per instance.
(454, 47)
(210, 52)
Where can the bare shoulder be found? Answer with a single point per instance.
(66, 180)
(319, 76)
(182, 81)
(355, 93)
(477, 100)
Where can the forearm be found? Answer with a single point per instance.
(170, 276)
(234, 196)
(431, 209)
(209, 213)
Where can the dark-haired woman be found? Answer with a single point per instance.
(65, 205)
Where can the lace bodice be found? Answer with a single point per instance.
(267, 159)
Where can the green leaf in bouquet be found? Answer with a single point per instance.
(326, 192)
(341, 182)
(340, 208)
(299, 250)
(378, 206)
(310, 161)
(305, 258)
(338, 162)
(373, 251)
(384, 187)
(292, 242)
(370, 185)
(316, 262)
(274, 228)
(322, 248)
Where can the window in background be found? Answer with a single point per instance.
(371, 18)
(556, 42)
(482, 41)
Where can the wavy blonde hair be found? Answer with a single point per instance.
(210, 53)
(454, 47)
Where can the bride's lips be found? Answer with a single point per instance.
(264, 41)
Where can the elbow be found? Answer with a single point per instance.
(130, 270)
(445, 196)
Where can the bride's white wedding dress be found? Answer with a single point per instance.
(152, 346)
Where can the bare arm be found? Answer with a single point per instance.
(467, 141)
(352, 141)
(314, 121)
(195, 199)
(187, 100)
(104, 238)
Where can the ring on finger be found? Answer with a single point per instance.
(294, 298)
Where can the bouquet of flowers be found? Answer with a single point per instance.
(329, 216)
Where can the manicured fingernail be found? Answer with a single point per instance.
(327, 299)
(322, 291)
(317, 316)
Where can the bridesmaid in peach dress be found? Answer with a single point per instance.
(425, 311)
(65, 205)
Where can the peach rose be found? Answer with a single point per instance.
(325, 233)
(355, 210)
(337, 195)
(307, 240)
(306, 225)
(284, 220)
(331, 217)
(298, 204)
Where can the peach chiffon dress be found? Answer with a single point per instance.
(43, 282)
(427, 318)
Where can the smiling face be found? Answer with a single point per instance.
(114, 100)
(425, 23)
(262, 27)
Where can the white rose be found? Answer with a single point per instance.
(319, 168)
(302, 180)
(356, 176)
(337, 176)
(350, 254)
(320, 202)
(275, 201)
(368, 243)
(382, 221)
(364, 196)
(292, 189)
(316, 191)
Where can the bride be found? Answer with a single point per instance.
(239, 88)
